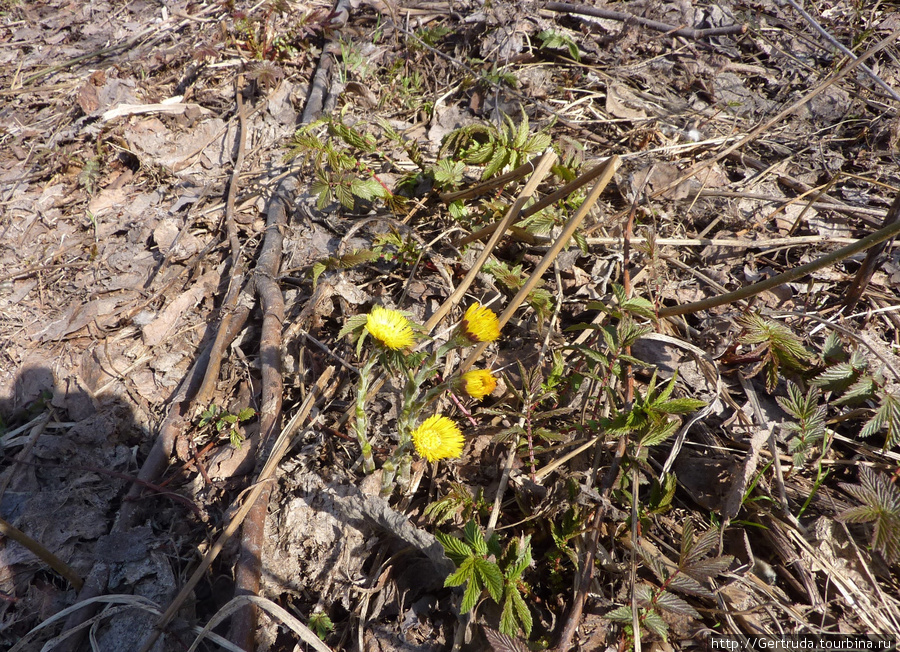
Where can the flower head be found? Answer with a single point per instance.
(478, 383)
(480, 324)
(438, 437)
(390, 328)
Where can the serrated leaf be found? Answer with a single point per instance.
(475, 538)
(707, 568)
(687, 540)
(702, 545)
(498, 160)
(448, 173)
(521, 133)
(833, 348)
(671, 602)
(465, 573)
(654, 623)
(480, 154)
(836, 377)
(455, 549)
(659, 433)
(862, 514)
(862, 389)
(619, 615)
(643, 593)
(367, 189)
(504, 642)
(523, 613)
(471, 594)
(352, 324)
(679, 406)
(886, 416)
(662, 492)
(317, 270)
(537, 143)
(344, 196)
(686, 584)
(458, 210)
(639, 306)
(591, 354)
(881, 506)
(580, 241)
(522, 561)
(659, 568)
(491, 576)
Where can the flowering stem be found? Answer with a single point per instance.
(362, 422)
(387, 478)
(403, 473)
(463, 409)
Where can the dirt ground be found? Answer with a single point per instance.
(149, 164)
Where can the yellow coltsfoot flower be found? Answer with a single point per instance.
(438, 438)
(480, 324)
(478, 383)
(390, 328)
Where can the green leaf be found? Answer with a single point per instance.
(620, 615)
(862, 514)
(490, 575)
(639, 306)
(659, 433)
(457, 551)
(344, 196)
(522, 611)
(508, 623)
(522, 560)
(861, 390)
(471, 594)
(367, 189)
(448, 173)
(886, 416)
(836, 378)
(679, 406)
(498, 160)
(707, 568)
(687, 584)
(458, 210)
(475, 538)
(671, 602)
(465, 573)
(352, 324)
(352, 137)
(654, 623)
(880, 499)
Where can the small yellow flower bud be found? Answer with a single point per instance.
(478, 383)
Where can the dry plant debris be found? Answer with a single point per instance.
(424, 325)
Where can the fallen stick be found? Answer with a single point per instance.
(630, 19)
(881, 235)
(249, 568)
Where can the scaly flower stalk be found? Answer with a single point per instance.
(388, 471)
(361, 424)
(403, 472)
